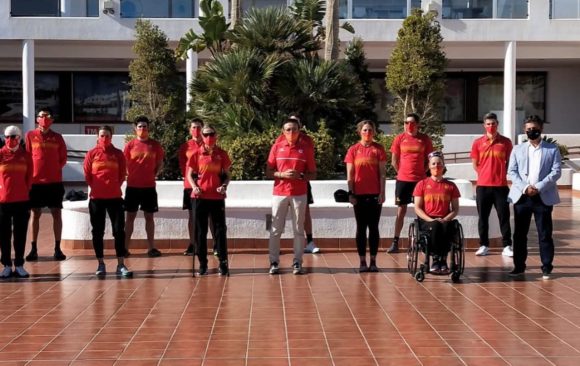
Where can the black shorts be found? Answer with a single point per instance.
(404, 192)
(146, 198)
(187, 198)
(309, 197)
(46, 195)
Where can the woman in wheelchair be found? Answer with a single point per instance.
(436, 205)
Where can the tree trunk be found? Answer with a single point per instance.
(236, 12)
(331, 44)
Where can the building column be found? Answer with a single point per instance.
(28, 101)
(191, 65)
(509, 91)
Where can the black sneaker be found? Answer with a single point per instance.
(274, 269)
(373, 267)
(297, 268)
(362, 268)
(154, 253)
(223, 268)
(394, 248)
(216, 253)
(202, 270)
(32, 256)
(59, 255)
(189, 250)
(517, 272)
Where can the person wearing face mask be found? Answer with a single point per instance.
(291, 164)
(409, 157)
(490, 155)
(534, 168)
(436, 205)
(105, 172)
(144, 158)
(208, 173)
(310, 245)
(15, 182)
(366, 172)
(48, 151)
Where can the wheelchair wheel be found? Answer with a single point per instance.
(455, 276)
(458, 259)
(413, 250)
(420, 276)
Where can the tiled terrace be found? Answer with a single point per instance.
(330, 316)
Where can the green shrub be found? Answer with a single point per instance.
(324, 151)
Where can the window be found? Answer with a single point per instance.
(55, 8)
(454, 100)
(564, 9)
(382, 9)
(100, 97)
(157, 8)
(248, 4)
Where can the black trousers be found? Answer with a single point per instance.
(13, 220)
(523, 211)
(486, 198)
(440, 236)
(367, 213)
(203, 210)
(98, 209)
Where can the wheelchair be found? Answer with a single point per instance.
(419, 242)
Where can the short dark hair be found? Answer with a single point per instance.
(291, 120)
(45, 109)
(140, 119)
(297, 117)
(490, 115)
(415, 117)
(196, 120)
(534, 118)
(105, 128)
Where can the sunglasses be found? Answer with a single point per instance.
(435, 154)
(12, 137)
(208, 134)
(142, 126)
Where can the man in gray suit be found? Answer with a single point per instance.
(534, 168)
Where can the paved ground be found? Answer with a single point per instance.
(330, 316)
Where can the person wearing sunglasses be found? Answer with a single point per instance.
(291, 164)
(409, 158)
(186, 150)
(310, 245)
(366, 172)
(144, 158)
(534, 169)
(490, 155)
(436, 205)
(49, 156)
(208, 172)
(105, 170)
(15, 179)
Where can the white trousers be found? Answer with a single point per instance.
(280, 205)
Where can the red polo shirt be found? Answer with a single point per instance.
(48, 151)
(437, 196)
(493, 157)
(299, 157)
(412, 152)
(142, 159)
(15, 175)
(367, 161)
(105, 172)
(186, 150)
(209, 168)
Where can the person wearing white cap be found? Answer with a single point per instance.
(15, 182)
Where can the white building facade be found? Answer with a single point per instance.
(513, 57)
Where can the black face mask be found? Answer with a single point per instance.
(533, 134)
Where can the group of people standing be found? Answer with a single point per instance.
(31, 178)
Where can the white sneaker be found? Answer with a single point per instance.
(311, 248)
(483, 250)
(507, 251)
(6, 272)
(21, 272)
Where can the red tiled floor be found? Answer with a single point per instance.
(331, 316)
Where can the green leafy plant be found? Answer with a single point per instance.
(415, 74)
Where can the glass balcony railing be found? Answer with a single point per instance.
(377, 9)
(485, 9)
(564, 9)
(157, 8)
(54, 8)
